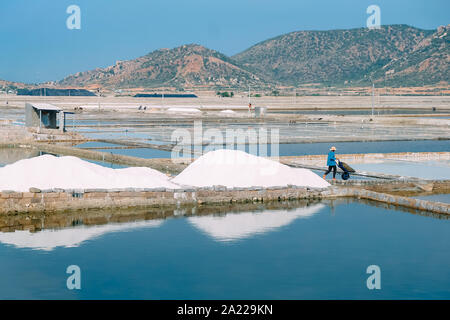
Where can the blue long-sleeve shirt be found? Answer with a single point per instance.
(331, 161)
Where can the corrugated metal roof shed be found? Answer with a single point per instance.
(45, 106)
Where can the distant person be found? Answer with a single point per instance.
(331, 163)
(249, 107)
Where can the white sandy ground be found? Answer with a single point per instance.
(233, 226)
(230, 168)
(48, 172)
(48, 240)
(234, 168)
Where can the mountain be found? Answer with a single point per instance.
(427, 63)
(349, 56)
(394, 55)
(9, 85)
(187, 66)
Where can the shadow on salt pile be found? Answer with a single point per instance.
(237, 226)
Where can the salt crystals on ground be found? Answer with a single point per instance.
(234, 168)
(48, 172)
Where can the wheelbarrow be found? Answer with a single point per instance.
(346, 170)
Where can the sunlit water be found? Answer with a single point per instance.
(438, 170)
(377, 111)
(320, 251)
(298, 149)
(445, 198)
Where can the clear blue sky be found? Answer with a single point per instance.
(36, 46)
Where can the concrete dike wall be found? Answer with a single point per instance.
(423, 205)
(64, 200)
(53, 201)
(11, 133)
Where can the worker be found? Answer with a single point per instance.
(331, 163)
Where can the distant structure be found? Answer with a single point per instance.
(45, 116)
(165, 95)
(260, 111)
(55, 92)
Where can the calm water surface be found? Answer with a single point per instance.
(445, 198)
(320, 251)
(299, 149)
(364, 111)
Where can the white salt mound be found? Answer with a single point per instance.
(228, 111)
(234, 168)
(48, 172)
(183, 110)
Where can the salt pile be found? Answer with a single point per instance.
(234, 168)
(184, 110)
(48, 172)
(228, 111)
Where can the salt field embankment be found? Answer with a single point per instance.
(59, 200)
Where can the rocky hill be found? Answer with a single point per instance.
(427, 63)
(9, 85)
(398, 55)
(188, 66)
(342, 56)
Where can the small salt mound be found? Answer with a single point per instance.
(234, 168)
(48, 172)
(228, 111)
(181, 110)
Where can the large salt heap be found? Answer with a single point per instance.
(234, 168)
(48, 172)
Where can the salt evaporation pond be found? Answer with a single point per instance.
(439, 170)
(297, 149)
(314, 252)
(445, 198)
(377, 111)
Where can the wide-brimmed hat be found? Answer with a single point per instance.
(333, 148)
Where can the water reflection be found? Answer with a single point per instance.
(297, 250)
(233, 227)
(48, 240)
(71, 229)
(11, 155)
(227, 223)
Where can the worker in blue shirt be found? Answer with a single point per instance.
(331, 163)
